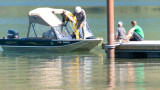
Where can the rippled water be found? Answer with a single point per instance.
(47, 71)
(75, 71)
(79, 70)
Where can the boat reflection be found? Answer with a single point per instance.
(47, 71)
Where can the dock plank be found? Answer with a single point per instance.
(139, 45)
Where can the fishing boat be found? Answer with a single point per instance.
(46, 32)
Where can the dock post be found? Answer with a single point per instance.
(110, 29)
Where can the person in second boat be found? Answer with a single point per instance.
(135, 33)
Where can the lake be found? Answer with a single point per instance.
(79, 70)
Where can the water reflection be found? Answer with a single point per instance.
(75, 71)
(111, 74)
(47, 74)
(33, 71)
(125, 74)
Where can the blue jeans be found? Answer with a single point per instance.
(80, 33)
(136, 37)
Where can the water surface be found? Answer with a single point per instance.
(79, 70)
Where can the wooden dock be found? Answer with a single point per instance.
(135, 49)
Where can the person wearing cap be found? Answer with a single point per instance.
(135, 33)
(81, 20)
(120, 33)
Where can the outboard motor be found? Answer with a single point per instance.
(12, 34)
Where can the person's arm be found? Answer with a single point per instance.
(130, 32)
(74, 13)
(116, 37)
(116, 34)
(84, 20)
(84, 14)
(124, 31)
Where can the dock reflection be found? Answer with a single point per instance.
(125, 74)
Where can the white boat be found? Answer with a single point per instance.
(46, 32)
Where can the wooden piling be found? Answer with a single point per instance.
(110, 29)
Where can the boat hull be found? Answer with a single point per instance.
(49, 45)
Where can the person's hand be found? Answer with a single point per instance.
(64, 11)
(81, 25)
(127, 37)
